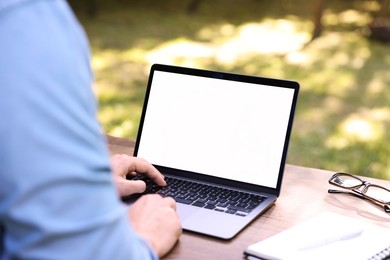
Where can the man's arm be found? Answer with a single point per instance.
(57, 198)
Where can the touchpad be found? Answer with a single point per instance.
(185, 211)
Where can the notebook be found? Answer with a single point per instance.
(327, 235)
(217, 129)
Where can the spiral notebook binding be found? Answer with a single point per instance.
(382, 255)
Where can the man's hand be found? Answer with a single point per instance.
(155, 219)
(122, 165)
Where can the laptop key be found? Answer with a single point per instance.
(239, 209)
(184, 201)
(242, 205)
(209, 206)
(198, 204)
(222, 205)
(230, 211)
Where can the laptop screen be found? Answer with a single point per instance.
(219, 127)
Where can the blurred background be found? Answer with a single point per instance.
(339, 51)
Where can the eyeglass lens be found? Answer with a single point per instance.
(347, 181)
(378, 193)
(350, 182)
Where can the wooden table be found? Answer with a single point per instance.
(304, 195)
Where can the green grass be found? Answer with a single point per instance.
(343, 114)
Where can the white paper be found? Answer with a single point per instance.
(287, 244)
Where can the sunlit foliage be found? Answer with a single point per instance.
(343, 115)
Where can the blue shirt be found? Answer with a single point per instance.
(57, 197)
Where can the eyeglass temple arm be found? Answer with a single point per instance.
(386, 208)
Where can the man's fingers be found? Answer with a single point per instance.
(170, 202)
(123, 165)
(132, 187)
(163, 201)
(142, 166)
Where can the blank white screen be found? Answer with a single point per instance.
(222, 128)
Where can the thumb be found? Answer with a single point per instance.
(127, 187)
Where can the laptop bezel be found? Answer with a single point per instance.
(223, 76)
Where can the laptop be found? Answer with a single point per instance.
(221, 141)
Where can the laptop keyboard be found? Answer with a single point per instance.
(204, 196)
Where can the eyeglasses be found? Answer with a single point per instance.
(362, 189)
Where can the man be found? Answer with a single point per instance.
(58, 198)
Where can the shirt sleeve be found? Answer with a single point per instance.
(57, 197)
